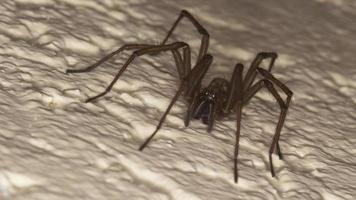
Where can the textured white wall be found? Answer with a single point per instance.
(54, 146)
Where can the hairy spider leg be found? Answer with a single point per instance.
(205, 35)
(235, 100)
(174, 99)
(183, 64)
(195, 74)
(148, 50)
(284, 108)
(268, 83)
(107, 57)
(234, 87)
(251, 73)
(194, 84)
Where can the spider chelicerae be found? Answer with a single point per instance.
(220, 97)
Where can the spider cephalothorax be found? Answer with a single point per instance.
(207, 104)
(221, 97)
(204, 106)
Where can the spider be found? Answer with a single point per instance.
(220, 98)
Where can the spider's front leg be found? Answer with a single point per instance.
(235, 102)
(190, 84)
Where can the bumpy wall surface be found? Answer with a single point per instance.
(55, 146)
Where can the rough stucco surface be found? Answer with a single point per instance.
(54, 146)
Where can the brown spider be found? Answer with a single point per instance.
(220, 97)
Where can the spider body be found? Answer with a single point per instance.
(221, 97)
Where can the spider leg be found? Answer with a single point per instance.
(247, 97)
(234, 88)
(251, 73)
(107, 57)
(235, 100)
(137, 53)
(176, 96)
(289, 94)
(195, 77)
(183, 64)
(186, 83)
(284, 105)
(205, 35)
(194, 80)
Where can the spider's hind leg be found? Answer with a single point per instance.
(107, 57)
(205, 35)
(269, 83)
(141, 51)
